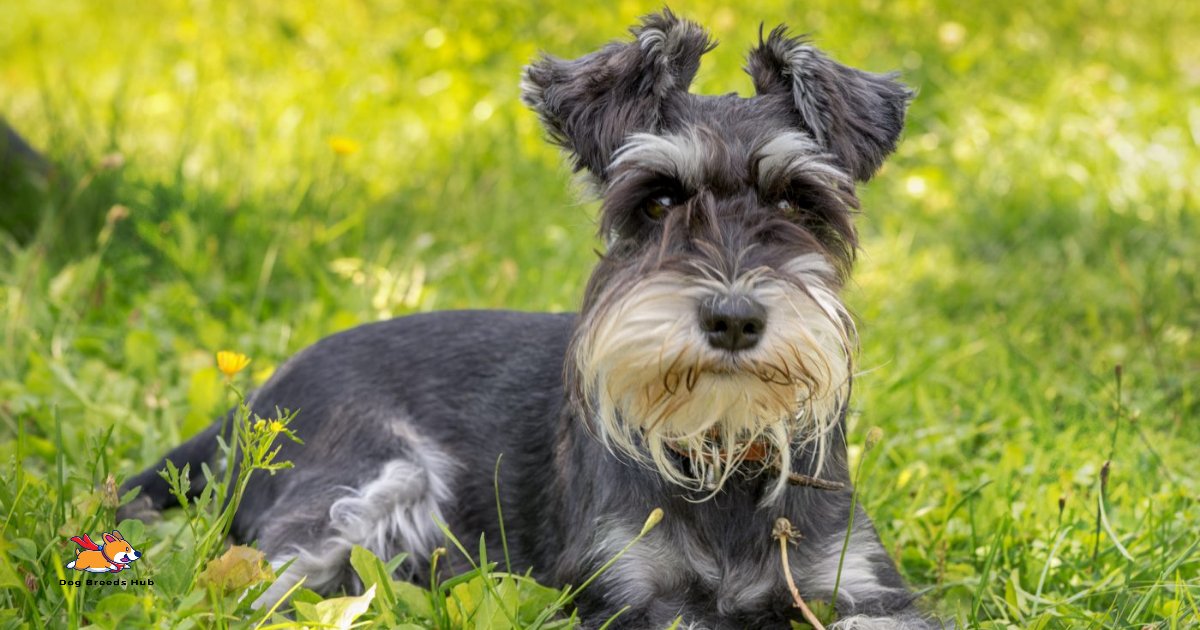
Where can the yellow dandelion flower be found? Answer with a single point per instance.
(342, 145)
(276, 426)
(231, 363)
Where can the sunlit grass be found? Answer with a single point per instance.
(259, 175)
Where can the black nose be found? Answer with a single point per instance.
(137, 554)
(732, 322)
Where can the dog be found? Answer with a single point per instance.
(709, 368)
(114, 556)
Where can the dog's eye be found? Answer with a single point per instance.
(785, 205)
(657, 207)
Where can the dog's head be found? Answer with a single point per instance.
(712, 326)
(118, 549)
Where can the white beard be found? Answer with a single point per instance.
(655, 385)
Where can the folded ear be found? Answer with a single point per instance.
(109, 538)
(590, 105)
(855, 115)
(116, 534)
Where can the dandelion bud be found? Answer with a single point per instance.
(874, 436)
(112, 161)
(116, 213)
(109, 497)
(655, 517)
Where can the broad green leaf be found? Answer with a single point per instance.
(135, 532)
(306, 595)
(534, 598)
(340, 612)
(412, 599)
(114, 609)
(464, 599)
(9, 577)
(497, 604)
(25, 549)
(371, 571)
(240, 567)
(306, 611)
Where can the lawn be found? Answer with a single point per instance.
(256, 175)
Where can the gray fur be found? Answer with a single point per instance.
(15, 152)
(591, 104)
(855, 115)
(403, 421)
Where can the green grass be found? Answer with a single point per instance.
(1038, 227)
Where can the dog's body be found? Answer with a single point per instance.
(709, 363)
(113, 556)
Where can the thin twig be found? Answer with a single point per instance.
(797, 479)
(784, 533)
(1104, 469)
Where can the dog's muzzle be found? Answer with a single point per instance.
(722, 372)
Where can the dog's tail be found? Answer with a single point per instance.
(155, 495)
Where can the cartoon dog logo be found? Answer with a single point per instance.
(112, 556)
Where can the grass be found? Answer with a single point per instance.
(258, 175)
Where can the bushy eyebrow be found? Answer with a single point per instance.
(683, 156)
(696, 161)
(792, 155)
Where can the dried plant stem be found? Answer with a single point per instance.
(797, 479)
(784, 533)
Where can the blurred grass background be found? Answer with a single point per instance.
(257, 175)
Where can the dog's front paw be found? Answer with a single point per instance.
(903, 621)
